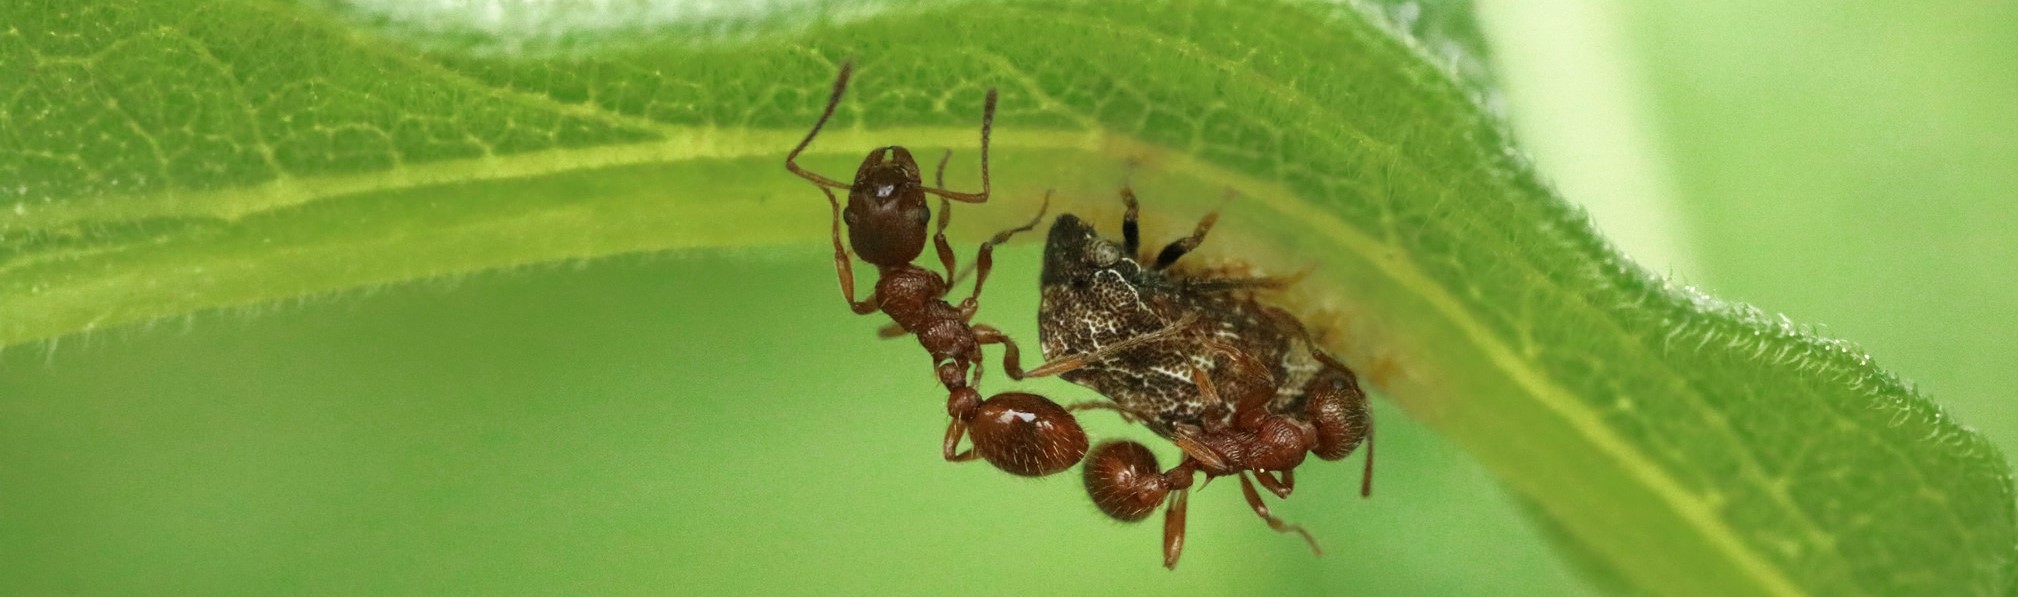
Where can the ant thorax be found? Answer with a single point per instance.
(1096, 293)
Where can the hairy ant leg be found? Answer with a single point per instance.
(984, 258)
(1280, 526)
(1280, 487)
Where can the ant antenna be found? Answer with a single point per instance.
(840, 86)
(987, 124)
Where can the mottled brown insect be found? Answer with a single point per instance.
(1022, 433)
(1242, 390)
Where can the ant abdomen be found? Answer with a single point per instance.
(1026, 434)
(1124, 481)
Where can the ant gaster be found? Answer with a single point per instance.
(1022, 433)
(1242, 392)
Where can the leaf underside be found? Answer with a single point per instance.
(162, 158)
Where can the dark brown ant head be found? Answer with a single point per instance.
(1026, 434)
(1124, 481)
(886, 211)
(1337, 409)
(1074, 254)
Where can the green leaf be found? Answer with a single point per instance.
(171, 157)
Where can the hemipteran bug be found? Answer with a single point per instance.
(1022, 433)
(1242, 391)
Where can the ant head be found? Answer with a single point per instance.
(1124, 481)
(1026, 434)
(1336, 406)
(886, 211)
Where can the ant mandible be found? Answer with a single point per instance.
(1022, 433)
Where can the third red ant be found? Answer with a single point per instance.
(1022, 433)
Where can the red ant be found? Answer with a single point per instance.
(1283, 397)
(1022, 433)
(1124, 481)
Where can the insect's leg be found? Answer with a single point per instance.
(985, 258)
(1131, 231)
(1366, 476)
(987, 124)
(1251, 385)
(1253, 282)
(1281, 487)
(792, 159)
(1207, 393)
(1126, 415)
(1179, 247)
(960, 404)
(845, 267)
(1261, 509)
(1072, 362)
(1012, 357)
(891, 330)
(1173, 527)
(945, 213)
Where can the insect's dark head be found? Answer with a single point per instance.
(886, 211)
(1075, 251)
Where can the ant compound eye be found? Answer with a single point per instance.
(1123, 480)
(1102, 253)
(1026, 434)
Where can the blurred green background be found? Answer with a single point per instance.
(616, 427)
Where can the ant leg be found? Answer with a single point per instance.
(1179, 247)
(1254, 282)
(1127, 415)
(1012, 357)
(985, 258)
(960, 404)
(945, 213)
(1069, 363)
(1366, 476)
(1131, 232)
(792, 159)
(1173, 528)
(1280, 488)
(1261, 509)
(987, 124)
(844, 267)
